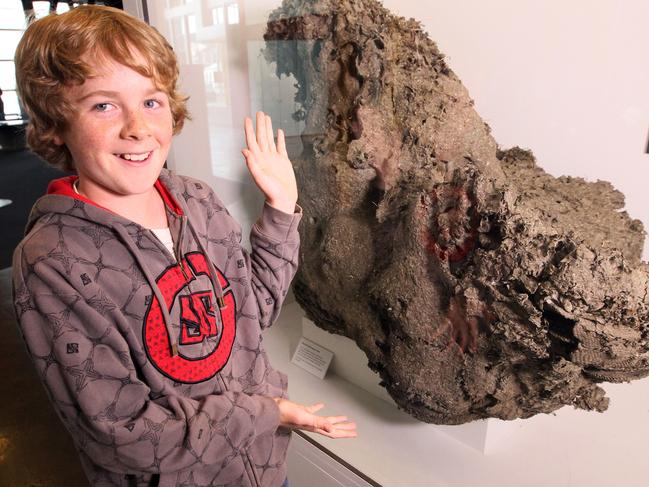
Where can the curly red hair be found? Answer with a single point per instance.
(50, 58)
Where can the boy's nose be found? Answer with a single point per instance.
(135, 126)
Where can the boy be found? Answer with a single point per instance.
(137, 303)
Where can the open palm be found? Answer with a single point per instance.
(269, 164)
(298, 416)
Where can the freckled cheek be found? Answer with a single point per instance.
(165, 134)
(167, 126)
(93, 144)
(101, 142)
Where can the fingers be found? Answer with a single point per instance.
(464, 329)
(336, 419)
(269, 134)
(339, 427)
(281, 143)
(343, 430)
(320, 423)
(262, 136)
(294, 415)
(344, 425)
(333, 426)
(338, 434)
(251, 141)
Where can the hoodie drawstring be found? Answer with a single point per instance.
(217, 289)
(126, 238)
(216, 285)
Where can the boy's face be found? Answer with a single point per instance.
(120, 134)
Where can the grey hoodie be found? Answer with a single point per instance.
(155, 362)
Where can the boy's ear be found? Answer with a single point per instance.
(57, 139)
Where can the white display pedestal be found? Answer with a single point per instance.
(350, 363)
(569, 448)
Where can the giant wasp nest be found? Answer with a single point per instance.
(478, 285)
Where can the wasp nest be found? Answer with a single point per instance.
(478, 285)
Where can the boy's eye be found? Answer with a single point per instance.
(151, 103)
(102, 107)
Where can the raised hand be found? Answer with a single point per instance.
(293, 415)
(269, 165)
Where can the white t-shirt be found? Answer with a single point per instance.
(164, 235)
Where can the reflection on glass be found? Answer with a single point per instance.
(219, 45)
(233, 13)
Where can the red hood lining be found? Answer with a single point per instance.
(63, 187)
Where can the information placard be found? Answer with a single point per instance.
(312, 357)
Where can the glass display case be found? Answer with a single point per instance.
(564, 81)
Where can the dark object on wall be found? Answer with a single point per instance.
(477, 285)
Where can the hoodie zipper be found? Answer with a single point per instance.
(221, 304)
(178, 243)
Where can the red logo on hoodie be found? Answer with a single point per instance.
(197, 318)
(198, 321)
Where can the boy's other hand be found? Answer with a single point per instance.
(269, 165)
(293, 415)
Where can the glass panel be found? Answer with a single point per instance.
(7, 75)
(554, 75)
(220, 45)
(8, 41)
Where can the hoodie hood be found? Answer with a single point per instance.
(65, 187)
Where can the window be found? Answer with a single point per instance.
(12, 26)
(233, 13)
(218, 16)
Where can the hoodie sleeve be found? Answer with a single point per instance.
(82, 355)
(275, 244)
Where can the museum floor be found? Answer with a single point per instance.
(35, 450)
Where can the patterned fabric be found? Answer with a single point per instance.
(156, 367)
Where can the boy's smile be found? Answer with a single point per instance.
(119, 136)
